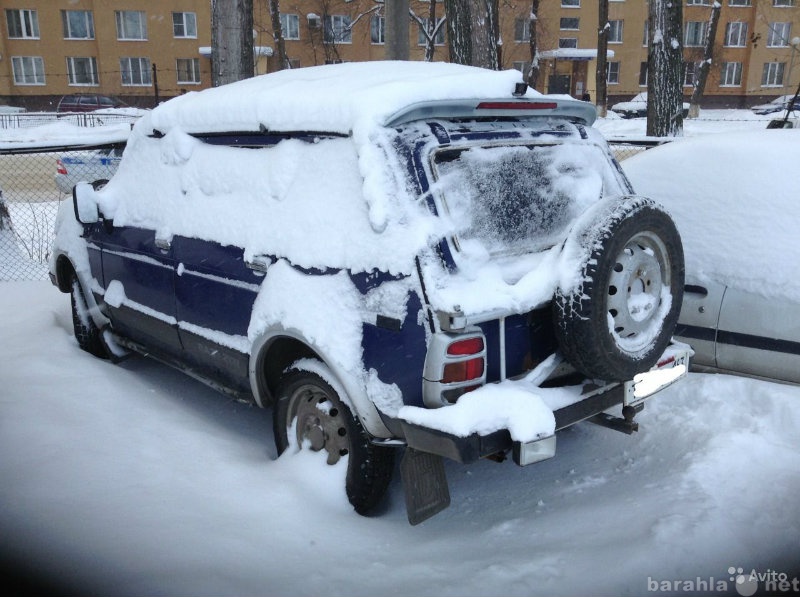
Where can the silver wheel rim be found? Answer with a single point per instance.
(638, 278)
(319, 421)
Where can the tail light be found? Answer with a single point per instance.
(456, 364)
(60, 168)
(466, 370)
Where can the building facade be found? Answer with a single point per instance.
(131, 49)
(145, 50)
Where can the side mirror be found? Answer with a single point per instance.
(83, 200)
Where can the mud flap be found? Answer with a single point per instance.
(424, 484)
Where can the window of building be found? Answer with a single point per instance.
(377, 29)
(695, 33)
(522, 66)
(612, 73)
(522, 30)
(438, 38)
(570, 23)
(698, 2)
(778, 35)
(82, 70)
(738, 2)
(188, 70)
(773, 74)
(22, 23)
(690, 72)
(780, 3)
(615, 32)
(643, 74)
(568, 42)
(646, 35)
(135, 71)
(77, 24)
(28, 70)
(290, 26)
(184, 24)
(731, 74)
(736, 34)
(570, 3)
(338, 29)
(131, 24)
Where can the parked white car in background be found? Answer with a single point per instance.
(779, 104)
(636, 107)
(88, 166)
(735, 204)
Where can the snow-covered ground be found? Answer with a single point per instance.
(133, 479)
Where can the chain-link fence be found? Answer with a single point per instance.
(34, 185)
(622, 148)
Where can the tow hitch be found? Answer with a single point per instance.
(626, 424)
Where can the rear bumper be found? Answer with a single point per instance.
(591, 400)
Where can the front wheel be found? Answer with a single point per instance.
(86, 332)
(308, 408)
(620, 319)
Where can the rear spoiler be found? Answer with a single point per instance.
(524, 107)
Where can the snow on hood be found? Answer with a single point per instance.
(734, 200)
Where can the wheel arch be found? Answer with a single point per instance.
(274, 352)
(64, 270)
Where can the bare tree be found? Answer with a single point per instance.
(231, 41)
(533, 41)
(281, 60)
(705, 65)
(601, 74)
(430, 28)
(473, 32)
(665, 69)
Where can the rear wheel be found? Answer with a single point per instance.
(86, 332)
(309, 409)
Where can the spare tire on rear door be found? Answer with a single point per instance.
(619, 317)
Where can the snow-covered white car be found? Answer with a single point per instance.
(636, 107)
(779, 104)
(415, 256)
(741, 308)
(88, 166)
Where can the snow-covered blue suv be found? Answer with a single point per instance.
(394, 256)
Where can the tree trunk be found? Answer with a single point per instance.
(281, 60)
(231, 41)
(459, 30)
(396, 47)
(430, 32)
(705, 66)
(473, 32)
(533, 29)
(601, 74)
(665, 69)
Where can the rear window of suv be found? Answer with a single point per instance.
(506, 200)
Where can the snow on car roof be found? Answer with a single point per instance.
(338, 98)
(733, 197)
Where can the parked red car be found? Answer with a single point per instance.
(88, 103)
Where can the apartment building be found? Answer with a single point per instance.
(131, 49)
(53, 47)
